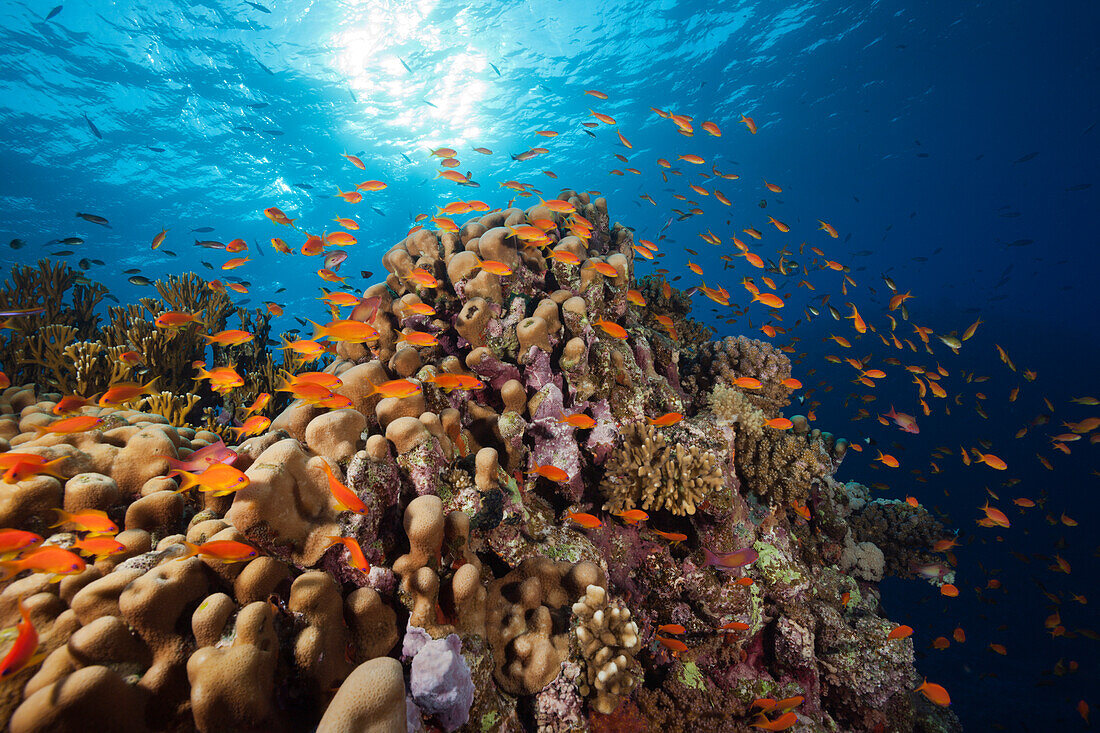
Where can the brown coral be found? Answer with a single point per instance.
(731, 358)
(527, 633)
(647, 472)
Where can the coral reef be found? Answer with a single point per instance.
(445, 541)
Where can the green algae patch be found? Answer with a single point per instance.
(489, 720)
(775, 567)
(690, 676)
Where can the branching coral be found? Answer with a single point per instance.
(175, 407)
(30, 353)
(190, 293)
(646, 471)
(608, 641)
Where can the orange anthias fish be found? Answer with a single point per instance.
(674, 645)
(671, 629)
(494, 267)
(748, 383)
(672, 537)
(21, 466)
(613, 330)
(632, 516)
(347, 331)
(355, 161)
(995, 516)
(226, 551)
(450, 382)
(422, 277)
(99, 547)
(749, 123)
(780, 423)
(769, 299)
(398, 388)
(120, 393)
(900, 632)
(262, 400)
(355, 552)
(220, 479)
(421, 309)
(233, 337)
(175, 319)
(345, 497)
(587, 521)
(550, 472)
(418, 338)
(17, 540)
(935, 693)
(92, 521)
(783, 722)
(577, 420)
(990, 460)
(565, 257)
(276, 215)
(26, 643)
(53, 560)
(222, 379)
(308, 350)
(252, 426)
(70, 425)
(604, 268)
(670, 418)
(70, 403)
(887, 459)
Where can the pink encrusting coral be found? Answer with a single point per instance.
(498, 562)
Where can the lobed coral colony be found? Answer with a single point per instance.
(514, 500)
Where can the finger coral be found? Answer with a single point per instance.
(608, 641)
(647, 472)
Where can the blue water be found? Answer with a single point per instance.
(949, 131)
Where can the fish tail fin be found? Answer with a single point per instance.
(710, 558)
(62, 517)
(319, 331)
(192, 550)
(188, 481)
(49, 466)
(372, 391)
(7, 570)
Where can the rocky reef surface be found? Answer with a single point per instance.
(496, 595)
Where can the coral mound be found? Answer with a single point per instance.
(448, 545)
